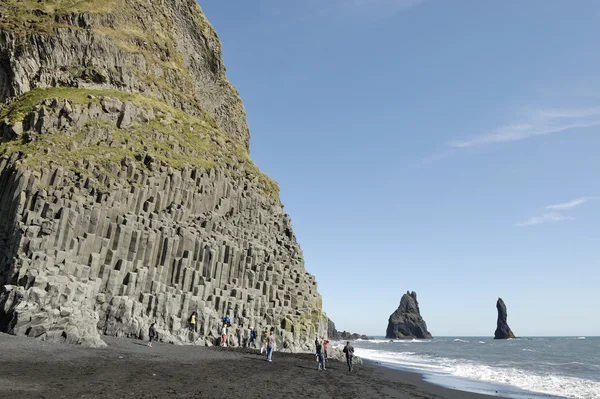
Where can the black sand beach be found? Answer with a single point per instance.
(128, 369)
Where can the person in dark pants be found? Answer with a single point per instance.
(320, 357)
(151, 334)
(252, 338)
(349, 351)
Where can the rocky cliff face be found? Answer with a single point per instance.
(503, 331)
(406, 322)
(127, 195)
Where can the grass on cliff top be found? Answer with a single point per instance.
(25, 104)
(190, 141)
(151, 37)
(38, 16)
(29, 16)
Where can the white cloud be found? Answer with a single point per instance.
(546, 218)
(537, 123)
(570, 204)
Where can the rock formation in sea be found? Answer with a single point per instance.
(503, 331)
(127, 193)
(334, 334)
(406, 322)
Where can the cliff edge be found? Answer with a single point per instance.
(127, 194)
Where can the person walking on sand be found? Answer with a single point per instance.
(349, 351)
(325, 343)
(223, 335)
(252, 338)
(151, 334)
(270, 347)
(263, 344)
(320, 357)
(193, 321)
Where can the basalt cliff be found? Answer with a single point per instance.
(127, 193)
(406, 322)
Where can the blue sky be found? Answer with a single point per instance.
(446, 147)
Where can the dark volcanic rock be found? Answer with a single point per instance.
(406, 321)
(503, 331)
(336, 335)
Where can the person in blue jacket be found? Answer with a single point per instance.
(252, 338)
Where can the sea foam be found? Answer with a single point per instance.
(568, 387)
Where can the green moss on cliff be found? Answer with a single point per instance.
(24, 17)
(175, 138)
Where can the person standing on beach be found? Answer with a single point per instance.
(263, 344)
(151, 334)
(224, 335)
(252, 338)
(325, 343)
(349, 351)
(240, 335)
(320, 357)
(193, 321)
(270, 347)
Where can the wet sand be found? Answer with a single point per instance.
(129, 369)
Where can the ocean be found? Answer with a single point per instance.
(521, 368)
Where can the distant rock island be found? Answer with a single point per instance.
(503, 331)
(406, 322)
(336, 335)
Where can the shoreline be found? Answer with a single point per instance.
(127, 368)
(465, 385)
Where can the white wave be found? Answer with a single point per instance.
(568, 387)
(461, 340)
(481, 342)
(580, 338)
(392, 341)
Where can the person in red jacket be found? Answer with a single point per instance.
(325, 344)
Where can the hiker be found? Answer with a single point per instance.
(252, 338)
(263, 343)
(320, 358)
(223, 335)
(349, 351)
(316, 342)
(270, 347)
(151, 334)
(192, 321)
(325, 344)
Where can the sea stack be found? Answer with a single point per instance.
(406, 322)
(127, 191)
(503, 331)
